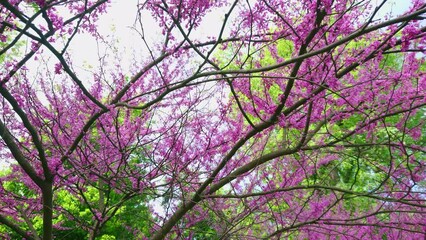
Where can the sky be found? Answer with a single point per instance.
(121, 16)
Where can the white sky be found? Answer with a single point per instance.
(121, 16)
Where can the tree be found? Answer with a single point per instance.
(298, 119)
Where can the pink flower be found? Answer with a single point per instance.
(3, 38)
(58, 68)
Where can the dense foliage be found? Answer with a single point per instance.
(292, 119)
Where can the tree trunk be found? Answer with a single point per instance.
(47, 192)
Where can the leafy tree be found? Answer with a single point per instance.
(298, 119)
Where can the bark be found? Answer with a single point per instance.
(47, 192)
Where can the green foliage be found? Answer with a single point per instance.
(12, 52)
(134, 214)
(259, 84)
(203, 231)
